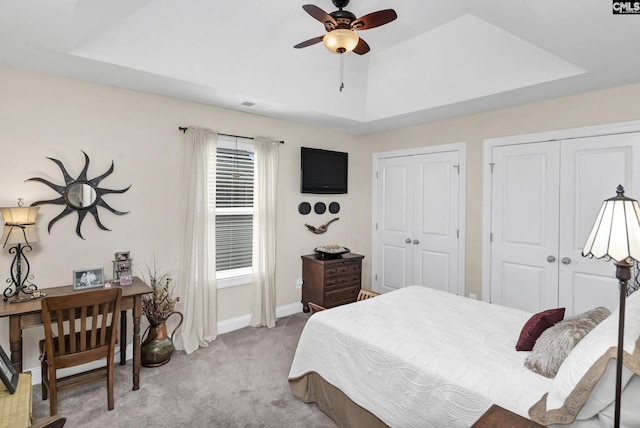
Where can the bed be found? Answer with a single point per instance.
(419, 357)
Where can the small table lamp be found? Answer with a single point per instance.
(20, 231)
(616, 235)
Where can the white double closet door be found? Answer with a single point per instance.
(416, 236)
(545, 198)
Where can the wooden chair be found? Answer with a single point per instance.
(362, 295)
(315, 308)
(366, 294)
(91, 320)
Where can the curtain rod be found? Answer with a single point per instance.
(184, 129)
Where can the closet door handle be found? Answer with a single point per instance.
(408, 240)
(551, 259)
(565, 260)
(416, 242)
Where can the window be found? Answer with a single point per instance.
(234, 211)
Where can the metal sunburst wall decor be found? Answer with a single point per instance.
(80, 194)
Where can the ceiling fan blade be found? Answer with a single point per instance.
(362, 47)
(309, 42)
(319, 14)
(374, 19)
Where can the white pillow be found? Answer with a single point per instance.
(583, 385)
(629, 411)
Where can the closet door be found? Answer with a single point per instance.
(435, 221)
(524, 226)
(394, 223)
(418, 199)
(545, 198)
(591, 170)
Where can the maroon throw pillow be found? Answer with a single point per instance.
(536, 325)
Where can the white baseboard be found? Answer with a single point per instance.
(243, 321)
(225, 326)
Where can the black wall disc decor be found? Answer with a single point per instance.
(334, 208)
(304, 208)
(319, 208)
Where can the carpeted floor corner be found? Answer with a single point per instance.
(239, 381)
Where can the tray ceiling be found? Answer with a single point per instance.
(439, 59)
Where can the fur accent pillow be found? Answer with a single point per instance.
(555, 343)
(536, 325)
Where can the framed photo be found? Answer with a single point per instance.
(122, 256)
(88, 278)
(7, 372)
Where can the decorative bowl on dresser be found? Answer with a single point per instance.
(330, 282)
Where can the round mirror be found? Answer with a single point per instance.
(80, 195)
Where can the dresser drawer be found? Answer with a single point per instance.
(342, 280)
(341, 296)
(342, 269)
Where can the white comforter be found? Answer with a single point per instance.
(419, 357)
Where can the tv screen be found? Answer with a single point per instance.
(323, 171)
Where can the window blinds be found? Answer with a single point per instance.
(234, 208)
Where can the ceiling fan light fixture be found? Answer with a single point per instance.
(341, 41)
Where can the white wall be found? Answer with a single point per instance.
(47, 116)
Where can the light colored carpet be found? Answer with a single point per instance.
(239, 381)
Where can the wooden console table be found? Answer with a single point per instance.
(28, 314)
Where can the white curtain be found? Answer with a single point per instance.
(197, 282)
(263, 307)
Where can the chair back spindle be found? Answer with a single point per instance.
(366, 294)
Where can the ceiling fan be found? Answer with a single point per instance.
(342, 25)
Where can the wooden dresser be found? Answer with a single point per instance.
(330, 282)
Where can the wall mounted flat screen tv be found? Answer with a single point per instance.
(323, 171)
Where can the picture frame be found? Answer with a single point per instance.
(122, 256)
(7, 372)
(88, 278)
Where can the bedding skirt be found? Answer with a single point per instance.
(312, 388)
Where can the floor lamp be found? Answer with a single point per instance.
(616, 236)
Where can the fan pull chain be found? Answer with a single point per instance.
(341, 72)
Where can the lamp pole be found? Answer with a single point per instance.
(623, 274)
(616, 236)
